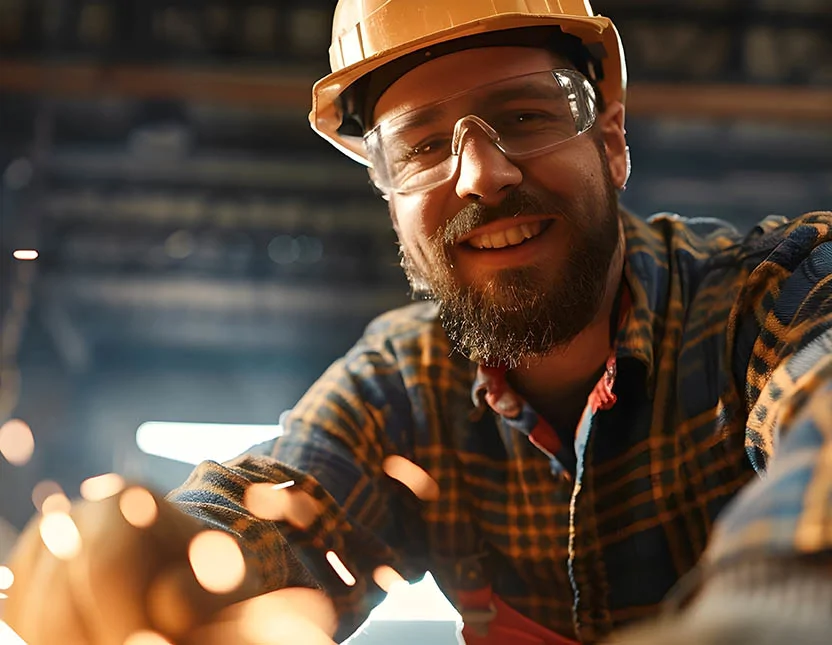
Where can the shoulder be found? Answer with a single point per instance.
(790, 268)
(790, 242)
(413, 320)
(410, 331)
(710, 244)
(399, 348)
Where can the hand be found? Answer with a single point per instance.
(127, 579)
(295, 616)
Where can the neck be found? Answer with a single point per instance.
(557, 385)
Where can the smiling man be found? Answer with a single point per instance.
(513, 241)
(587, 409)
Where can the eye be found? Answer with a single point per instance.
(530, 117)
(537, 122)
(427, 149)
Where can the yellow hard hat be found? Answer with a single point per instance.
(368, 34)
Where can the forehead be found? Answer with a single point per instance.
(451, 74)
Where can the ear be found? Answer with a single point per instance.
(611, 123)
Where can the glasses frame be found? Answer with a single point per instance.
(567, 79)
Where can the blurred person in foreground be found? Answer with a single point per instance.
(627, 420)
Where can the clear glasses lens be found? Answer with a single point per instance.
(523, 116)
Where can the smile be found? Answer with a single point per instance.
(508, 237)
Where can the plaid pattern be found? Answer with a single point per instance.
(723, 360)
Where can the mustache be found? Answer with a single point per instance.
(518, 202)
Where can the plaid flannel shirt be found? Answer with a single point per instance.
(724, 408)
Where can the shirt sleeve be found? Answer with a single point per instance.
(787, 511)
(333, 446)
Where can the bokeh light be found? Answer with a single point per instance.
(60, 535)
(56, 503)
(16, 442)
(18, 174)
(138, 507)
(414, 477)
(102, 486)
(288, 617)
(281, 502)
(145, 637)
(267, 501)
(6, 578)
(340, 568)
(284, 249)
(44, 490)
(25, 254)
(217, 561)
(386, 576)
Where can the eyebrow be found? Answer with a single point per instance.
(418, 118)
(431, 114)
(524, 91)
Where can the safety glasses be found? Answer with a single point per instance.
(524, 116)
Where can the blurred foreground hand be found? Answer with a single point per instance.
(134, 570)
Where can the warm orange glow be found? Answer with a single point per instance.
(217, 561)
(289, 617)
(60, 535)
(146, 638)
(42, 490)
(25, 254)
(169, 609)
(266, 502)
(6, 578)
(102, 486)
(340, 568)
(138, 507)
(302, 510)
(16, 442)
(414, 477)
(280, 502)
(56, 503)
(386, 576)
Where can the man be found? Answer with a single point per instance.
(587, 391)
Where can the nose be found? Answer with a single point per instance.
(485, 174)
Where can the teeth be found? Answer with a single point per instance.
(508, 237)
(498, 240)
(515, 235)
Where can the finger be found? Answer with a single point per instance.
(156, 588)
(284, 617)
(176, 602)
(41, 608)
(22, 561)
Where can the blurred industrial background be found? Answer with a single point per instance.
(203, 255)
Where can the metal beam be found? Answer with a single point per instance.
(205, 296)
(290, 90)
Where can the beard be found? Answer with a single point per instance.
(523, 313)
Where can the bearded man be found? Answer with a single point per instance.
(582, 405)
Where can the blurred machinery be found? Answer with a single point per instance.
(203, 256)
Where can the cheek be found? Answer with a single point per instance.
(417, 218)
(575, 174)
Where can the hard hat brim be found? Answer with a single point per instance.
(325, 116)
